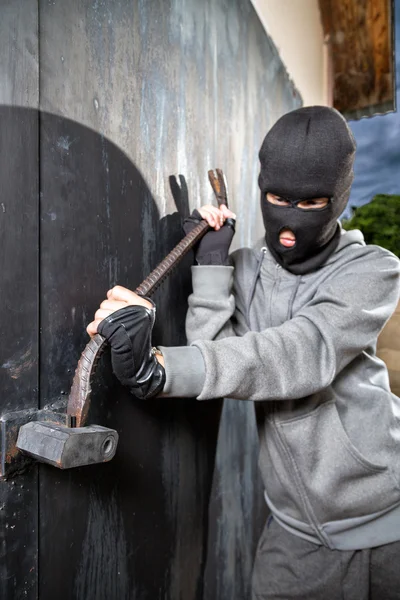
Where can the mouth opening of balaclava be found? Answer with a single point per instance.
(308, 154)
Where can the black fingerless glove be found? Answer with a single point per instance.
(128, 332)
(213, 248)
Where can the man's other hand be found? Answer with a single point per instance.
(118, 297)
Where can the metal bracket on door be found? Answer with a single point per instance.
(48, 436)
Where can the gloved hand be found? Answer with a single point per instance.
(128, 332)
(213, 248)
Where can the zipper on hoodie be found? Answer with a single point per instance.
(271, 295)
(260, 259)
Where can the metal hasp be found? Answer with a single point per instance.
(47, 436)
(66, 447)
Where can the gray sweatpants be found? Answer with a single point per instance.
(287, 568)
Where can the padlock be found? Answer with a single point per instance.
(66, 447)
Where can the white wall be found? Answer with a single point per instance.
(296, 29)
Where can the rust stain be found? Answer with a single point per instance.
(13, 453)
(12, 435)
(20, 362)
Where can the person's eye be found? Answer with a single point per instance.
(312, 204)
(277, 200)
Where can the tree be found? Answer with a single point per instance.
(379, 221)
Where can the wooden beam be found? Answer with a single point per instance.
(360, 34)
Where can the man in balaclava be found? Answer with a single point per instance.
(292, 326)
(308, 153)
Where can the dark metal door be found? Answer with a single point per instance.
(137, 526)
(129, 526)
(100, 102)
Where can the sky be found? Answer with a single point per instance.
(377, 164)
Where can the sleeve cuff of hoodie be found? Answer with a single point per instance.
(184, 371)
(212, 281)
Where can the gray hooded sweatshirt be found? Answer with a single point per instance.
(303, 348)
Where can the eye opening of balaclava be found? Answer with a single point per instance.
(295, 203)
(308, 154)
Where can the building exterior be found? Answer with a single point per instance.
(296, 29)
(338, 54)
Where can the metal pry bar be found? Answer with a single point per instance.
(79, 396)
(218, 184)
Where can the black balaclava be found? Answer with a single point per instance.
(308, 153)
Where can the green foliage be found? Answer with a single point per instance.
(379, 221)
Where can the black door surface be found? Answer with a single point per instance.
(135, 527)
(100, 103)
(126, 528)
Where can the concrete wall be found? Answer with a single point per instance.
(296, 29)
